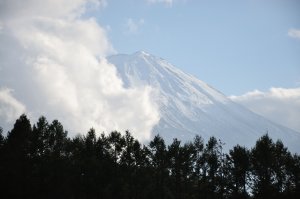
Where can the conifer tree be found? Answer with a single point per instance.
(262, 159)
(160, 164)
(239, 168)
(16, 159)
(198, 171)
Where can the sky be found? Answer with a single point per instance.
(234, 45)
(52, 57)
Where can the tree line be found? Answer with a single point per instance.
(41, 161)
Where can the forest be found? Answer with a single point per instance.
(41, 161)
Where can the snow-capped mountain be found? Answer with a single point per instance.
(189, 106)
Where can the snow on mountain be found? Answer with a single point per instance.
(189, 106)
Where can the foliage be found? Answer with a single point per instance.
(41, 161)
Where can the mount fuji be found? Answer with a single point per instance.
(189, 106)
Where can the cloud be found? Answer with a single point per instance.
(54, 60)
(281, 105)
(294, 33)
(132, 26)
(10, 108)
(167, 2)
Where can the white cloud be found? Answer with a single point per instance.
(10, 108)
(54, 61)
(280, 105)
(133, 26)
(167, 2)
(294, 33)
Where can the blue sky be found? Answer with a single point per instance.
(234, 45)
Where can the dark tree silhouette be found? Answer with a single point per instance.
(16, 160)
(43, 162)
(262, 159)
(160, 164)
(239, 167)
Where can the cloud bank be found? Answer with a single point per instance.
(280, 105)
(54, 60)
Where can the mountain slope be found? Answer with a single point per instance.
(189, 106)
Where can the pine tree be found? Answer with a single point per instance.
(262, 159)
(18, 139)
(117, 143)
(293, 183)
(16, 159)
(56, 164)
(129, 167)
(239, 168)
(198, 164)
(281, 156)
(176, 162)
(160, 166)
(211, 166)
(38, 138)
(37, 156)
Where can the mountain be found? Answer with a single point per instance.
(189, 106)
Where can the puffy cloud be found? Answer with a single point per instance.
(280, 105)
(10, 107)
(55, 62)
(294, 33)
(133, 26)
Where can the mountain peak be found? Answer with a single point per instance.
(189, 106)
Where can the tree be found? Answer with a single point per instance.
(116, 145)
(143, 171)
(188, 153)
(239, 167)
(175, 157)
(211, 170)
(160, 165)
(18, 138)
(37, 156)
(262, 159)
(16, 159)
(281, 158)
(128, 166)
(296, 175)
(57, 139)
(55, 164)
(38, 138)
(292, 189)
(127, 156)
(199, 149)
(181, 166)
